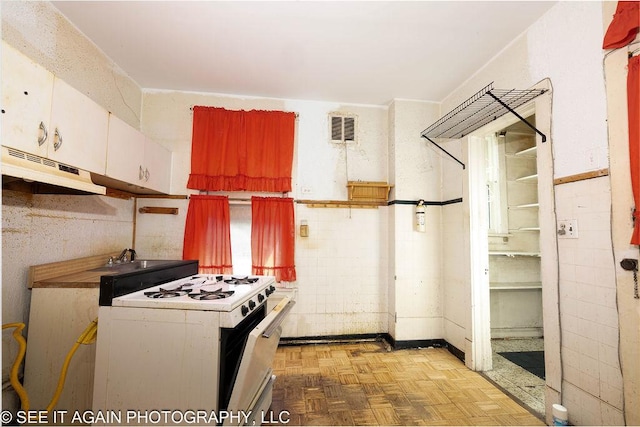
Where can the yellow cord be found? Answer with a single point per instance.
(13, 377)
(87, 337)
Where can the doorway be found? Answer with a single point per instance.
(512, 237)
(513, 248)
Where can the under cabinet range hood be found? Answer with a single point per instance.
(29, 167)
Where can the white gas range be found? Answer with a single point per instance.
(234, 297)
(196, 343)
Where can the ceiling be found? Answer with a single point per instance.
(366, 52)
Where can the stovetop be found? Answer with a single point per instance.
(202, 292)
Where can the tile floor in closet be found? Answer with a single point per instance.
(521, 384)
(366, 384)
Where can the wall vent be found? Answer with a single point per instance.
(342, 128)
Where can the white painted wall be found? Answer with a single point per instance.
(416, 305)
(559, 48)
(342, 266)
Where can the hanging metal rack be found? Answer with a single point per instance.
(485, 106)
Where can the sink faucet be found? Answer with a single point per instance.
(123, 255)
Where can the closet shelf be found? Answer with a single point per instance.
(516, 286)
(527, 229)
(526, 206)
(529, 152)
(528, 179)
(514, 253)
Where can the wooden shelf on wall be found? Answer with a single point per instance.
(348, 204)
(368, 191)
(158, 210)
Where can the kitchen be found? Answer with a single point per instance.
(346, 266)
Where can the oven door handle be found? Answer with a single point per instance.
(279, 317)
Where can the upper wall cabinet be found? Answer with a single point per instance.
(27, 92)
(157, 165)
(43, 115)
(79, 128)
(125, 151)
(136, 160)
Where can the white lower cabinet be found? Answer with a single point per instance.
(58, 317)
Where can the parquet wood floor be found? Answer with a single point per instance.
(364, 384)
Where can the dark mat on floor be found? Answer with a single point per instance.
(532, 361)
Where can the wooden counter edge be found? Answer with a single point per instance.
(41, 275)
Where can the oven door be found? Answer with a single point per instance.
(252, 389)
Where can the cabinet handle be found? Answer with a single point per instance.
(146, 174)
(57, 138)
(140, 173)
(44, 134)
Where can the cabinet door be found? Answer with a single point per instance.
(78, 131)
(157, 167)
(125, 152)
(26, 102)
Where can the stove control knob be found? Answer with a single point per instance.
(244, 310)
(252, 304)
(260, 297)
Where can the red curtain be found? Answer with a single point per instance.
(633, 104)
(241, 150)
(207, 235)
(624, 26)
(273, 238)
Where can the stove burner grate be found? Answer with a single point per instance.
(168, 293)
(241, 280)
(211, 295)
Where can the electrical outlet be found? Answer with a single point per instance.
(567, 229)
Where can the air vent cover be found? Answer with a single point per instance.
(343, 128)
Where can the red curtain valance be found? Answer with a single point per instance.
(273, 238)
(624, 26)
(241, 150)
(207, 234)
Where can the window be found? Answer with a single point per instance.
(241, 238)
(342, 129)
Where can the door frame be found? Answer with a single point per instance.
(478, 246)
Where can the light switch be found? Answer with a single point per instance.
(568, 229)
(304, 228)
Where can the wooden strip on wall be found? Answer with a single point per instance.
(158, 210)
(341, 204)
(581, 176)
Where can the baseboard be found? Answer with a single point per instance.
(332, 339)
(385, 338)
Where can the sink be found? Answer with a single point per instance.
(126, 267)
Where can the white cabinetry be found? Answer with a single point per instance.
(27, 91)
(43, 115)
(514, 261)
(125, 151)
(79, 128)
(157, 166)
(136, 159)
